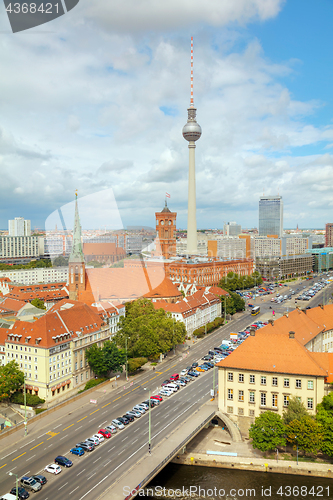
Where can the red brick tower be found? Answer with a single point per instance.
(166, 231)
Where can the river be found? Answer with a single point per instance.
(183, 482)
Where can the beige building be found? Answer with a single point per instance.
(272, 365)
(51, 351)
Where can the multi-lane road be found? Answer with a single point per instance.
(92, 473)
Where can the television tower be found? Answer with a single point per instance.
(191, 132)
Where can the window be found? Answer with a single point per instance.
(263, 380)
(285, 400)
(263, 399)
(275, 381)
(230, 376)
(230, 394)
(252, 379)
(298, 383)
(286, 382)
(240, 395)
(241, 377)
(310, 384)
(240, 411)
(251, 413)
(251, 397)
(274, 400)
(81, 377)
(310, 403)
(230, 409)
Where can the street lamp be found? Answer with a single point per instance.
(149, 421)
(296, 449)
(25, 408)
(126, 357)
(13, 474)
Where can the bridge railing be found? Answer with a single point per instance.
(170, 456)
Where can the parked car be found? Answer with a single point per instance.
(99, 437)
(193, 374)
(118, 424)
(85, 446)
(123, 420)
(183, 373)
(134, 413)
(164, 392)
(159, 398)
(199, 369)
(65, 462)
(41, 479)
(53, 469)
(77, 451)
(139, 409)
(174, 377)
(129, 417)
(30, 484)
(111, 429)
(105, 433)
(22, 493)
(93, 440)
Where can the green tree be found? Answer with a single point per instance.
(105, 360)
(268, 431)
(295, 410)
(149, 332)
(38, 303)
(60, 261)
(324, 417)
(306, 433)
(11, 379)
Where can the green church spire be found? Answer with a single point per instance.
(77, 251)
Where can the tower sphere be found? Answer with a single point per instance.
(192, 131)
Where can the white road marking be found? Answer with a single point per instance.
(62, 486)
(101, 425)
(74, 490)
(30, 457)
(77, 428)
(96, 460)
(91, 476)
(134, 441)
(124, 439)
(92, 419)
(111, 449)
(9, 454)
(80, 472)
(58, 426)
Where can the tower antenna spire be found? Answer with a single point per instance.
(192, 101)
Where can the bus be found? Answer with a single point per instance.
(255, 310)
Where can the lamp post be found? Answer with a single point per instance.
(25, 408)
(173, 334)
(126, 357)
(214, 377)
(13, 474)
(296, 449)
(149, 422)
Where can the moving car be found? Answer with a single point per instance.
(53, 469)
(77, 451)
(65, 462)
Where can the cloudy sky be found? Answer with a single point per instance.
(96, 101)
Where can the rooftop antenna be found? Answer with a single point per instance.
(191, 101)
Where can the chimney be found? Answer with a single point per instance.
(321, 305)
(285, 314)
(304, 311)
(271, 321)
(291, 335)
(252, 332)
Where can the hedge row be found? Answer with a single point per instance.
(91, 383)
(31, 399)
(200, 332)
(136, 363)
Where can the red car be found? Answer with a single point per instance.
(174, 377)
(104, 433)
(159, 398)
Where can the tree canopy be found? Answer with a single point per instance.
(149, 332)
(324, 417)
(305, 433)
(268, 431)
(295, 410)
(11, 379)
(233, 281)
(38, 303)
(105, 360)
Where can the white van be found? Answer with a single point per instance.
(8, 496)
(171, 387)
(226, 342)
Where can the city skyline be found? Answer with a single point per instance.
(100, 103)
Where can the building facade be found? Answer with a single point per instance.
(76, 263)
(271, 216)
(36, 275)
(14, 249)
(19, 227)
(289, 266)
(232, 229)
(329, 235)
(166, 231)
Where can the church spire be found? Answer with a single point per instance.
(77, 251)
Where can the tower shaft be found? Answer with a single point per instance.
(192, 245)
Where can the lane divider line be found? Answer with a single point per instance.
(91, 413)
(19, 456)
(82, 418)
(36, 446)
(68, 427)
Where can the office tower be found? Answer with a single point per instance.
(19, 227)
(191, 132)
(329, 235)
(232, 229)
(271, 216)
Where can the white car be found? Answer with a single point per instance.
(53, 468)
(139, 409)
(118, 424)
(93, 440)
(134, 413)
(183, 373)
(164, 392)
(99, 437)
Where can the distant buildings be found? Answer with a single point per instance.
(19, 227)
(329, 235)
(271, 216)
(21, 249)
(232, 229)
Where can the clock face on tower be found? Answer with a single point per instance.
(162, 222)
(170, 222)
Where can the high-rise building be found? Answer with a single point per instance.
(191, 132)
(329, 235)
(232, 229)
(271, 216)
(19, 227)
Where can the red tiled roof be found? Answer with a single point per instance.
(50, 325)
(274, 353)
(166, 289)
(9, 304)
(102, 249)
